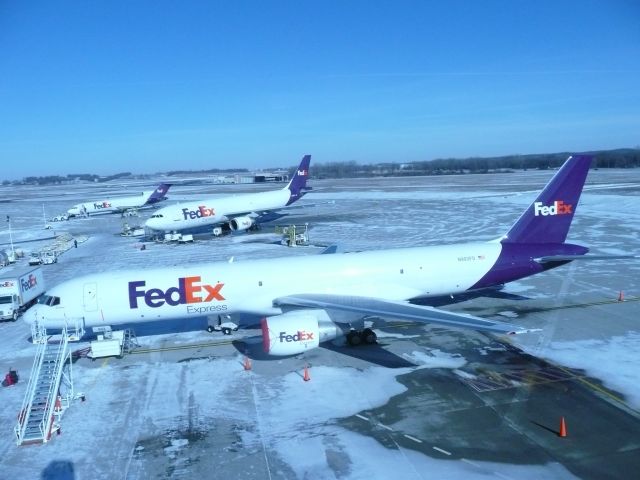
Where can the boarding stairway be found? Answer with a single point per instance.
(130, 341)
(43, 404)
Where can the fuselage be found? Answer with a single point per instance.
(109, 205)
(213, 211)
(250, 287)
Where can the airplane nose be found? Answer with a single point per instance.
(152, 224)
(30, 315)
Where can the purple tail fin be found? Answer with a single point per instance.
(299, 180)
(158, 194)
(548, 218)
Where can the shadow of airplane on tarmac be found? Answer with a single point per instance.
(376, 354)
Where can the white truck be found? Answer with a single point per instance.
(19, 289)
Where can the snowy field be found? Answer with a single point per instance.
(199, 414)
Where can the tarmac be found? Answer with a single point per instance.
(425, 402)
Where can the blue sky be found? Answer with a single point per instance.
(146, 86)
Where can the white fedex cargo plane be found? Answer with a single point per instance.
(121, 204)
(238, 213)
(309, 300)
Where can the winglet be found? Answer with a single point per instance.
(331, 249)
(158, 194)
(524, 330)
(299, 180)
(548, 218)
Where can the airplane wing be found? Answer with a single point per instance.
(397, 310)
(260, 214)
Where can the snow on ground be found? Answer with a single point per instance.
(435, 358)
(613, 360)
(382, 334)
(381, 462)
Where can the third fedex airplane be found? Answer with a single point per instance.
(238, 213)
(312, 299)
(121, 204)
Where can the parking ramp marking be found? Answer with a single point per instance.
(385, 426)
(362, 417)
(477, 465)
(417, 440)
(442, 451)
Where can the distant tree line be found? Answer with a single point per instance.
(70, 178)
(209, 171)
(620, 158)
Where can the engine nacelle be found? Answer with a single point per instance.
(239, 224)
(297, 331)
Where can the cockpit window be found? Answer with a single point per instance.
(157, 215)
(49, 300)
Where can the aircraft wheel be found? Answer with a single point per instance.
(369, 336)
(210, 329)
(353, 338)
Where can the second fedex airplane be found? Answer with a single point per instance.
(238, 213)
(311, 299)
(121, 204)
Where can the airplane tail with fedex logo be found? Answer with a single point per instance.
(158, 194)
(548, 218)
(298, 182)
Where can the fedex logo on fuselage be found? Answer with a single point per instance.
(189, 290)
(299, 336)
(98, 206)
(558, 208)
(29, 283)
(201, 212)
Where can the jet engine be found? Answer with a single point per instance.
(297, 331)
(239, 224)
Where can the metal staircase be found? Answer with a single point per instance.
(130, 341)
(44, 401)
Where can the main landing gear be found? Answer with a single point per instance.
(361, 337)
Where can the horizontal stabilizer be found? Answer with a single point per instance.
(397, 310)
(570, 258)
(330, 250)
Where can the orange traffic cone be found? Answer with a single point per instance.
(306, 376)
(621, 296)
(563, 428)
(247, 363)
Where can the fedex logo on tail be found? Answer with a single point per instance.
(558, 208)
(303, 173)
(201, 212)
(299, 336)
(189, 290)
